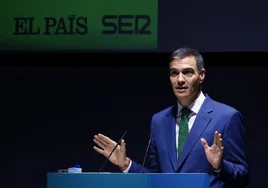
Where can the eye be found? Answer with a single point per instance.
(173, 72)
(188, 72)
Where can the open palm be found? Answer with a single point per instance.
(214, 153)
(107, 145)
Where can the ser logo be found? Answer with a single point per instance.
(126, 24)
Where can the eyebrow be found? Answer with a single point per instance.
(185, 69)
(173, 69)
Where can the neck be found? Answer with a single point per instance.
(187, 102)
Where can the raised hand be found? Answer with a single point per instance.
(106, 145)
(214, 153)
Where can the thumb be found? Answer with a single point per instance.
(122, 146)
(204, 143)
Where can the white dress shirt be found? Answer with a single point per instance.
(194, 107)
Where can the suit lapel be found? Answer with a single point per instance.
(201, 122)
(170, 134)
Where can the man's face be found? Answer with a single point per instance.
(185, 79)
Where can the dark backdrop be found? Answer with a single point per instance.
(213, 26)
(53, 104)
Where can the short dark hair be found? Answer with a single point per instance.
(182, 53)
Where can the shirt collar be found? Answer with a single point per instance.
(194, 106)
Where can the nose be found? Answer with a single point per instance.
(181, 78)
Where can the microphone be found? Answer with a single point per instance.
(112, 152)
(146, 153)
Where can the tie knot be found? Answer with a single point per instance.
(185, 112)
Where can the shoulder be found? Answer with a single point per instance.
(160, 118)
(165, 112)
(223, 109)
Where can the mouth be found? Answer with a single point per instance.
(181, 89)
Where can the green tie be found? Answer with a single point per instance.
(183, 129)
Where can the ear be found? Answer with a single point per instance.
(202, 75)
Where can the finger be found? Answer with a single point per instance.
(100, 140)
(100, 151)
(98, 143)
(106, 139)
(219, 141)
(215, 137)
(123, 146)
(204, 143)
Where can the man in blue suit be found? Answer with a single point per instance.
(196, 135)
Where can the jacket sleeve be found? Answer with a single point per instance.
(235, 169)
(152, 162)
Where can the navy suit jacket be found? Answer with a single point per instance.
(212, 116)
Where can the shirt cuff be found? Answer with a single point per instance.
(127, 169)
(216, 170)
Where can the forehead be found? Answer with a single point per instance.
(187, 62)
